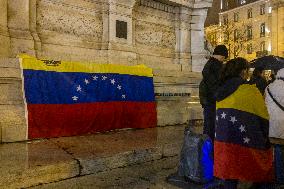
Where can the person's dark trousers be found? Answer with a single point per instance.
(209, 112)
(230, 184)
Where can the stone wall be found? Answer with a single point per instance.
(164, 35)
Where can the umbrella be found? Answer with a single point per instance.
(269, 63)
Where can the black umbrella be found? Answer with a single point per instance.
(269, 63)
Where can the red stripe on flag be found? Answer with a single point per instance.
(232, 161)
(55, 120)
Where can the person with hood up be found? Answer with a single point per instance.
(208, 87)
(274, 97)
(242, 151)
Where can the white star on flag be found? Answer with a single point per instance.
(123, 96)
(112, 81)
(95, 77)
(217, 118)
(104, 77)
(86, 81)
(79, 88)
(223, 115)
(246, 140)
(233, 119)
(75, 98)
(119, 87)
(242, 128)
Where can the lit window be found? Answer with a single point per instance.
(236, 17)
(262, 9)
(249, 48)
(236, 35)
(262, 30)
(262, 46)
(225, 19)
(243, 2)
(249, 32)
(250, 13)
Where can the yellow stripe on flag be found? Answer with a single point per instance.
(32, 63)
(246, 98)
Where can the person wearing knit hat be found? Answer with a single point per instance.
(221, 50)
(208, 87)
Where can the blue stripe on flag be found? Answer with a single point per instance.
(47, 87)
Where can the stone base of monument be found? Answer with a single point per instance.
(37, 162)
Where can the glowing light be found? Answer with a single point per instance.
(269, 47)
(269, 9)
(267, 30)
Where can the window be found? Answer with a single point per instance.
(249, 48)
(226, 38)
(225, 19)
(249, 32)
(262, 9)
(262, 46)
(121, 29)
(262, 30)
(236, 17)
(250, 13)
(242, 2)
(236, 35)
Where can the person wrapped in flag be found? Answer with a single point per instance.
(242, 150)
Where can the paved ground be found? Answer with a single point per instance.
(142, 176)
(124, 159)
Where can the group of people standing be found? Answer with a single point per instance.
(240, 114)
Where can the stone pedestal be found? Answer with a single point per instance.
(164, 35)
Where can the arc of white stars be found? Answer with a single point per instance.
(246, 140)
(123, 96)
(112, 81)
(233, 119)
(217, 118)
(104, 77)
(95, 78)
(87, 81)
(242, 128)
(75, 98)
(119, 87)
(223, 115)
(79, 88)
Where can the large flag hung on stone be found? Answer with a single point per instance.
(241, 148)
(74, 98)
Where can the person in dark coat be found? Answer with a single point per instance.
(242, 151)
(208, 87)
(259, 80)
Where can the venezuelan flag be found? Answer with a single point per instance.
(241, 148)
(74, 98)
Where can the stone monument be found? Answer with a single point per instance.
(166, 35)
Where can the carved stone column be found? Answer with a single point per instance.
(183, 38)
(19, 27)
(198, 51)
(4, 34)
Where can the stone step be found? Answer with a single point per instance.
(31, 163)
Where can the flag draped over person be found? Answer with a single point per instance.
(75, 98)
(242, 150)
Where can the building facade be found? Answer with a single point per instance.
(166, 35)
(249, 29)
